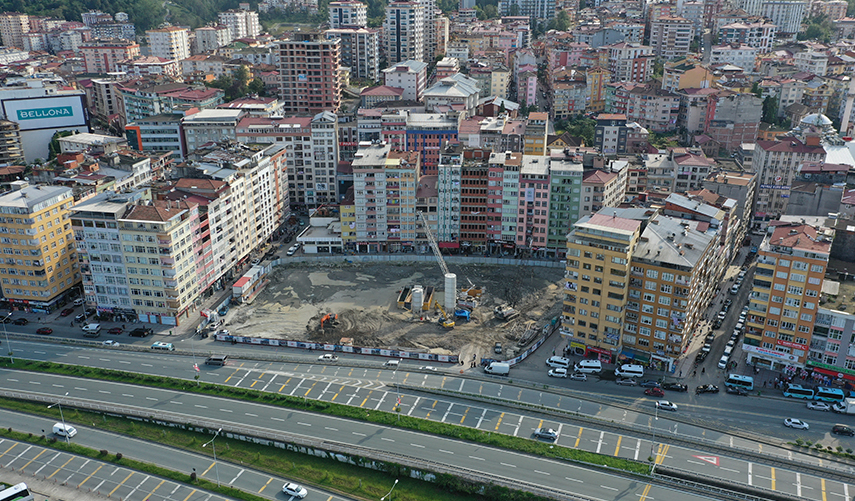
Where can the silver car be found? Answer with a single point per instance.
(627, 381)
(579, 376)
(818, 406)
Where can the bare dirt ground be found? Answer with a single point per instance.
(365, 299)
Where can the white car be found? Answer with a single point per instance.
(721, 315)
(327, 357)
(293, 249)
(295, 490)
(579, 376)
(427, 368)
(666, 405)
(818, 406)
(79, 301)
(110, 342)
(557, 372)
(798, 424)
(256, 262)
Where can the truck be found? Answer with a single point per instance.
(505, 312)
(847, 406)
(498, 368)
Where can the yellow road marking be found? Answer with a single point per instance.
(61, 467)
(9, 449)
(188, 495)
(559, 402)
(156, 488)
(824, 497)
(366, 398)
(464, 415)
(37, 456)
(209, 469)
(253, 383)
(120, 484)
(443, 382)
(336, 393)
(499, 421)
(773, 479)
(349, 373)
(578, 438)
(645, 493)
(617, 447)
(281, 388)
(90, 476)
(265, 485)
(519, 397)
(310, 389)
(432, 407)
(540, 424)
(405, 378)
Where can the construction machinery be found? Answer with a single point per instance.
(329, 321)
(445, 320)
(505, 312)
(450, 292)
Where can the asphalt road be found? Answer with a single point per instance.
(545, 472)
(87, 475)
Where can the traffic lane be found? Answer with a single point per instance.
(178, 460)
(548, 472)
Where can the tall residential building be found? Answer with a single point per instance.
(103, 56)
(41, 263)
(671, 37)
(348, 13)
(630, 62)
(210, 126)
(777, 163)
(360, 51)
(309, 75)
(787, 15)
(409, 75)
(169, 43)
(404, 32)
(209, 38)
(243, 23)
(784, 300)
(539, 9)
(384, 190)
(13, 25)
(565, 185)
(430, 33)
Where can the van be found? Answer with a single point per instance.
(739, 326)
(589, 367)
(498, 368)
(722, 363)
(79, 301)
(64, 430)
(162, 346)
(629, 370)
(217, 360)
(728, 350)
(91, 330)
(392, 363)
(558, 362)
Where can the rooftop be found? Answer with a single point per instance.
(673, 241)
(32, 196)
(802, 237)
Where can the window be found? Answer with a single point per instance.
(665, 300)
(646, 320)
(665, 289)
(797, 277)
(650, 285)
(795, 290)
(667, 277)
(652, 274)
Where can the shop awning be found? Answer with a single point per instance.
(448, 245)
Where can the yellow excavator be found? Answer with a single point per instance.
(445, 321)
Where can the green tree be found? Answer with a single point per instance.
(53, 146)
(770, 110)
(756, 90)
(581, 126)
(561, 22)
(256, 87)
(658, 67)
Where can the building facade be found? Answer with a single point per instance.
(309, 76)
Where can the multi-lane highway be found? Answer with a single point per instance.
(373, 389)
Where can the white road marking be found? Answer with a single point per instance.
(250, 414)
(600, 441)
(236, 476)
(151, 398)
(79, 388)
(40, 352)
(446, 412)
(303, 424)
(226, 410)
(483, 413)
(176, 402)
(147, 365)
(124, 362)
(277, 419)
(609, 488)
(104, 391)
(415, 404)
(15, 380)
(750, 473)
(517, 429)
(330, 429)
(357, 433)
(127, 395)
(729, 469)
(104, 359)
(417, 445)
(34, 382)
(445, 451)
(476, 457)
(509, 465)
(201, 406)
(58, 386)
(386, 439)
(574, 480)
(544, 473)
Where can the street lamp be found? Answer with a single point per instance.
(653, 428)
(59, 403)
(388, 494)
(7, 335)
(214, 448)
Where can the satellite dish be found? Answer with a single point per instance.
(27, 179)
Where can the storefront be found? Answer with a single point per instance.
(603, 355)
(770, 359)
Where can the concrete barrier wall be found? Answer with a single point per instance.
(409, 258)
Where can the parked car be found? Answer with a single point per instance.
(115, 330)
(797, 424)
(557, 372)
(818, 406)
(649, 383)
(721, 315)
(80, 318)
(710, 338)
(327, 357)
(90, 311)
(6, 320)
(736, 391)
(654, 392)
(675, 387)
(140, 332)
(79, 301)
(293, 249)
(66, 312)
(717, 323)
(840, 429)
(256, 262)
(45, 331)
(665, 405)
(547, 433)
(706, 388)
(497, 349)
(21, 321)
(728, 301)
(110, 342)
(626, 381)
(701, 356)
(294, 490)
(579, 376)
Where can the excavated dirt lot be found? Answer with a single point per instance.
(365, 299)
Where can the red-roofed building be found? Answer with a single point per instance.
(380, 93)
(777, 164)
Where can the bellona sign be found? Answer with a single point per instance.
(54, 112)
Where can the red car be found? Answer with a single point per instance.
(115, 330)
(654, 392)
(66, 312)
(45, 330)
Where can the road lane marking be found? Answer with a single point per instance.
(517, 429)
(250, 414)
(773, 478)
(509, 465)
(30, 461)
(209, 469)
(127, 395)
(357, 433)
(729, 469)
(645, 492)
(445, 451)
(201, 406)
(63, 466)
(156, 488)
(617, 447)
(415, 404)
(483, 413)
(90, 476)
(236, 476)
(331, 429)
(750, 473)
(188, 495)
(277, 419)
(147, 365)
(310, 389)
(336, 393)
(417, 445)
(476, 457)
(366, 398)
(499, 421)
(104, 391)
(58, 386)
(120, 484)
(225, 410)
(600, 441)
(151, 398)
(822, 483)
(265, 485)
(432, 407)
(303, 424)
(446, 412)
(386, 439)
(464, 414)
(544, 473)
(609, 488)
(578, 438)
(574, 480)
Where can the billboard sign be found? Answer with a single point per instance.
(50, 112)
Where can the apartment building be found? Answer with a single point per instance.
(787, 15)
(448, 193)
(242, 23)
(777, 163)
(831, 343)
(384, 189)
(404, 32)
(409, 75)
(784, 300)
(360, 51)
(13, 26)
(596, 288)
(538, 9)
(536, 130)
(211, 38)
(741, 55)
(760, 35)
(603, 188)
(210, 126)
(630, 62)
(103, 56)
(528, 189)
(653, 108)
(348, 13)
(171, 43)
(565, 185)
(41, 263)
(309, 74)
(671, 37)
(11, 152)
(158, 133)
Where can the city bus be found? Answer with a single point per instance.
(797, 391)
(18, 492)
(739, 381)
(829, 394)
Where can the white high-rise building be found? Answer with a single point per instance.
(404, 31)
(348, 13)
(786, 14)
(170, 43)
(210, 38)
(243, 23)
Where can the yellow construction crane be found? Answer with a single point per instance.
(446, 321)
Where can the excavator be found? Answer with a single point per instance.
(445, 321)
